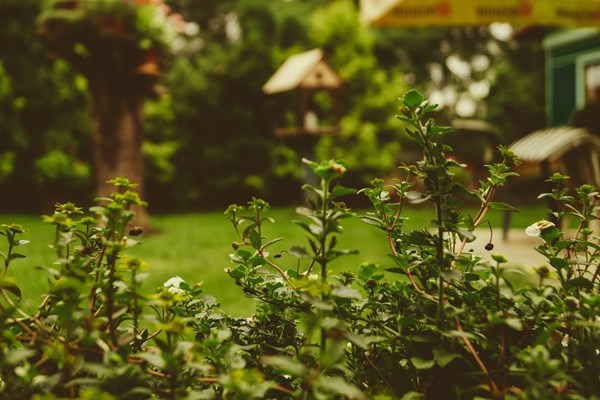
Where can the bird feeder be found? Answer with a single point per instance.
(307, 73)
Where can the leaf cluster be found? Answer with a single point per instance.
(436, 322)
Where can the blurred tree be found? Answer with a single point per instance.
(225, 143)
(369, 140)
(117, 45)
(42, 108)
(517, 96)
(473, 72)
(209, 136)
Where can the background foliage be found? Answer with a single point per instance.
(433, 321)
(210, 135)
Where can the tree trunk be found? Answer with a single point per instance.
(118, 138)
(120, 76)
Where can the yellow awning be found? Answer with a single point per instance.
(568, 13)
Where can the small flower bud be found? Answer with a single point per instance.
(489, 246)
(335, 334)
(543, 271)
(405, 111)
(135, 231)
(572, 303)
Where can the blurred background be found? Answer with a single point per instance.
(208, 127)
(205, 103)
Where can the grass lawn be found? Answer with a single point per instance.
(196, 246)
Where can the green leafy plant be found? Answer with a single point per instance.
(436, 322)
(57, 167)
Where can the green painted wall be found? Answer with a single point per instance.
(566, 54)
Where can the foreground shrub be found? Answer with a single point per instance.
(438, 323)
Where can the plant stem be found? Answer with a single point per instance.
(322, 252)
(110, 299)
(440, 250)
(135, 304)
(486, 372)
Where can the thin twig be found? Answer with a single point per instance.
(385, 381)
(277, 267)
(478, 360)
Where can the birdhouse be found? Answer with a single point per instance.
(309, 75)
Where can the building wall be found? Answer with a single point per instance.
(568, 55)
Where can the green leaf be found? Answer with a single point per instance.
(412, 396)
(9, 285)
(438, 130)
(559, 263)
(346, 292)
(400, 261)
(303, 225)
(337, 253)
(256, 261)
(17, 356)
(443, 357)
(298, 251)
(550, 233)
(338, 385)
(465, 234)
(404, 118)
(452, 275)
(316, 230)
(545, 336)
(514, 323)
(412, 99)
(307, 212)
(154, 359)
(420, 238)
(237, 273)
(284, 364)
(313, 189)
(421, 363)
(429, 108)
(273, 241)
(339, 191)
(415, 197)
(471, 276)
(366, 270)
(396, 270)
(581, 282)
(498, 205)
(15, 256)
(362, 341)
(248, 229)
(255, 240)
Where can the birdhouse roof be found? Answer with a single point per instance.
(553, 143)
(304, 70)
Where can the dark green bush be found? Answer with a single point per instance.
(440, 323)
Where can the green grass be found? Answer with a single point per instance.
(196, 247)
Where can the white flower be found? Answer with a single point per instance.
(175, 290)
(173, 283)
(537, 228)
(313, 277)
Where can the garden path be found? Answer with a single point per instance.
(518, 248)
